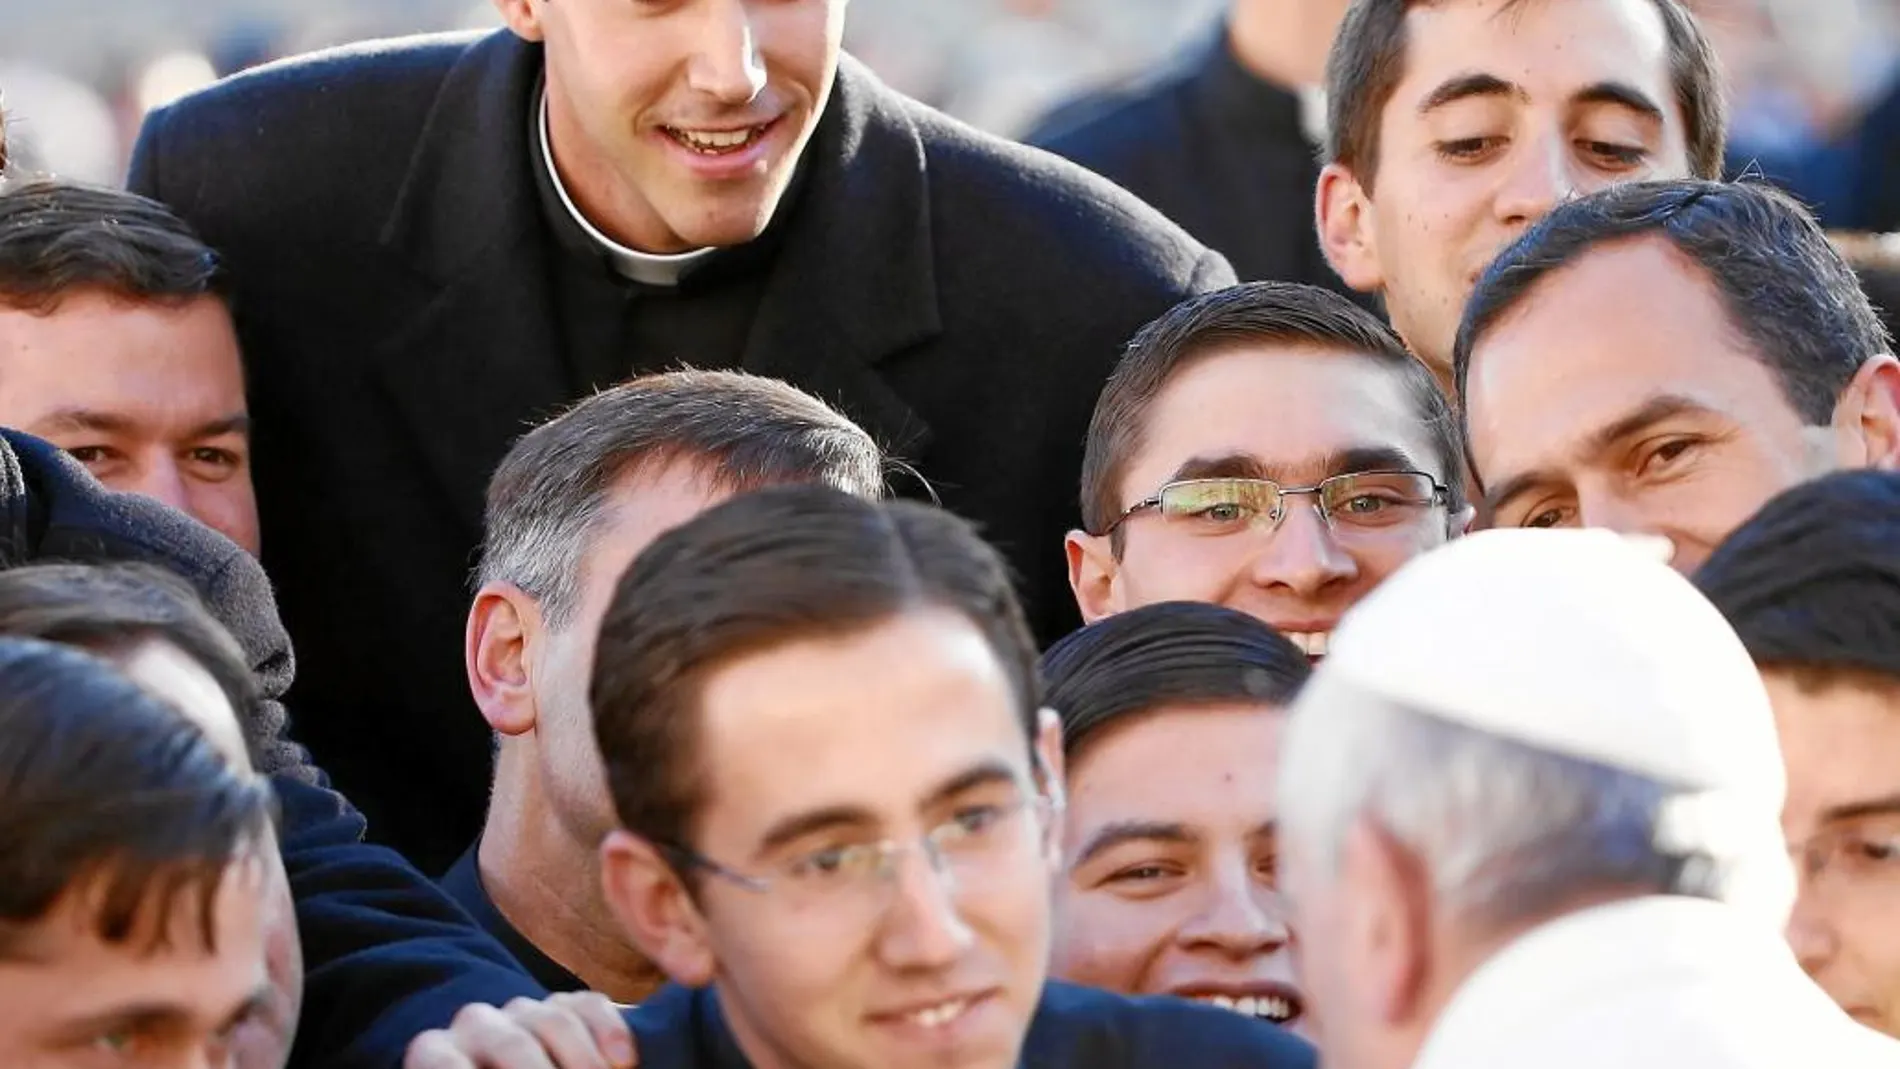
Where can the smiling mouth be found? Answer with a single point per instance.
(1281, 1009)
(1311, 643)
(718, 142)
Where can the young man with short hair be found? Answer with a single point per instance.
(133, 920)
(1812, 586)
(573, 503)
(1270, 447)
(837, 796)
(117, 345)
(1453, 125)
(1664, 357)
(1171, 721)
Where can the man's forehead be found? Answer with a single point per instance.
(1550, 50)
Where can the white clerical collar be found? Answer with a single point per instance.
(649, 268)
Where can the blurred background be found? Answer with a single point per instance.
(1815, 83)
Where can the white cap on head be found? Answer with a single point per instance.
(1586, 644)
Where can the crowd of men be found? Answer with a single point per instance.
(778, 578)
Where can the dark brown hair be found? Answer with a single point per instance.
(768, 568)
(1367, 63)
(108, 789)
(57, 237)
(1253, 313)
(740, 431)
(110, 608)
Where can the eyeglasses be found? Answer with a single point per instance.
(853, 880)
(1355, 502)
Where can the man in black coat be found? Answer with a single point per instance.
(438, 242)
(1225, 140)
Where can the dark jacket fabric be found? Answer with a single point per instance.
(463, 882)
(1218, 149)
(1074, 1028)
(961, 297)
(386, 954)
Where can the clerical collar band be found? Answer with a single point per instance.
(643, 267)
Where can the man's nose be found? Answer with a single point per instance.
(727, 65)
(1302, 554)
(1809, 933)
(923, 929)
(1542, 174)
(160, 479)
(1239, 915)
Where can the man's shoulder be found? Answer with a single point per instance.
(1109, 129)
(332, 78)
(1085, 1027)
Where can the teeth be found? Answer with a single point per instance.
(1312, 643)
(939, 1015)
(714, 141)
(1266, 1007)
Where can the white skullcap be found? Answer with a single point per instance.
(1585, 644)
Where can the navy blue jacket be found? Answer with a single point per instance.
(681, 1028)
(386, 954)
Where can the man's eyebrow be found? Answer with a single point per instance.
(1872, 807)
(1369, 458)
(799, 825)
(983, 774)
(1466, 86)
(1643, 417)
(1516, 487)
(1621, 95)
(1128, 831)
(1225, 466)
(235, 423)
(132, 1017)
(84, 419)
(255, 1003)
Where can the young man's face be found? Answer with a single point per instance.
(1620, 394)
(161, 1000)
(679, 125)
(149, 397)
(886, 735)
(1169, 847)
(1295, 415)
(1503, 111)
(1841, 740)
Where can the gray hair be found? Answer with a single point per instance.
(1509, 833)
(742, 431)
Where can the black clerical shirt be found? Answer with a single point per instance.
(1219, 149)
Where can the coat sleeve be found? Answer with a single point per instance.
(387, 955)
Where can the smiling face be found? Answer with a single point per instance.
(1658, 418)
(1169, 845)
(1293, 414)
(820, 745)
(1504, 110)
(678, 124)
(1841, 740)
(149, 397)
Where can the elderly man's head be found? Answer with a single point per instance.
(1446, 788)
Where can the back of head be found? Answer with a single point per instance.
(107, 789)
(1785, 287)
(1812, 582)
(60, 237)
(1367, 63)
(772, 567)
(740, 432)
(1169, 654)
(1253, 313)
(1542, 716)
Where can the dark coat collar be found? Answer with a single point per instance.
(853, 283)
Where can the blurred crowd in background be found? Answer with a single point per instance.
(1816, 83)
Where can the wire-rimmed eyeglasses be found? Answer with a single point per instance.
(1360, 501)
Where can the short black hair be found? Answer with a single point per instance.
(58, 237)
(1811, 583)
(1169, 653)
(742, 431)
(1251, 313)
(103, 786)
(1367, 63)
(109, 608)
(766, 568)
(1787, 290)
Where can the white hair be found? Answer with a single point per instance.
(1509, 833)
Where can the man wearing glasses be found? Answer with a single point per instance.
(1269, 447)
(821, 725)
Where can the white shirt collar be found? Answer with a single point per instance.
(650, 268)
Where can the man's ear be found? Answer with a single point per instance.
(1343, 213)
(1051, 768)
(1458, 524)
(1867, 417)
(1388, 920)
(1094, 575)
(503, 626)
(522, 16)
(656, 909)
